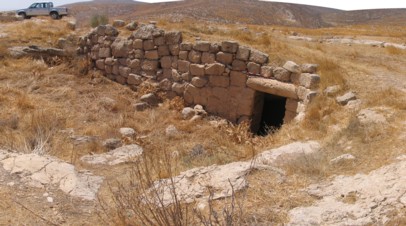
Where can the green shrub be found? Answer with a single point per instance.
(97, 20)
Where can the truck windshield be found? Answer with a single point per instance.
(33, 5)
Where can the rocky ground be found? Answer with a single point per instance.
(344, 166)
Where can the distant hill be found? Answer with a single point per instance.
(233, 11)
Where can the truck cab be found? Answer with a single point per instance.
(42, 9)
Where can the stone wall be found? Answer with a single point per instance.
(226, 78)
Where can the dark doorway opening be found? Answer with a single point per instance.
(273, 112)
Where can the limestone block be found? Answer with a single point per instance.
(173, 37)
(214, 48)
(134, 64)
(195, 56)
(302, 92)
(214, 69)
(238, 78)
(254, 68)
(104, 52)
(208, 58)
(197, 69)
(289, 116)
(183, 66)
(175, 60)
(100, 64)
(190, 93)
(163, 50)
(167, 73)
(229, 46)
(309, 68)
(165, 85)
(149, 65)
(124, 71)
(123, 61)
(186, 46)
(267, 71)
(310, 81)
(199, 82)
(183, 55)
(224, 58)
(159, 41)
(186, 76)
(174, 49)
(115, 69)
(243, 53)
(219, 81)
(109, 61)
(138, 54)
(202, 46)
(292, 67)
(137, 44)
(295, 78)
(148, 45)
(258, 57)
(178, 88)
(120, 48)
(108, 69)
(344, 99)
(291, 105)
(281, 74)
(150, 98)
(152, 55)
(134, 79)
(166, 62)
(239, 65)
(120, 79)
(273, 87)
(202, 99)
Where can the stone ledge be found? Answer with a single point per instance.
(273, 87)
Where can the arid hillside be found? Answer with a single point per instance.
(236, 11)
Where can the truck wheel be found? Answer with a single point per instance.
(23, 15)
(54, 15)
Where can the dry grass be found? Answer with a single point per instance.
(42, 104)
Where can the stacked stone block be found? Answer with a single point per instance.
(224, 77)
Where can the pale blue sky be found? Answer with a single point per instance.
(339, 4)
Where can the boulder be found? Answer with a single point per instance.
(118, 23)
(309, 68)
(254, 68)
(148, 31)
(343, 100)
(132, 26)
(229, 46)
(197, 70)
(134, 79)
(195, 56)
(127, 132)
(243, 53)
(281, 74)
(150, 99)
(332, 90)
(165, 85)
(173, 37)
(142, 106)
(258, 57)
(267, 71)
(48, 172)
(202, 46)
(292, 67)
(188, 113)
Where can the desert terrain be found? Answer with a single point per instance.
(76, 149)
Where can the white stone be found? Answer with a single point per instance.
(127, 132)
(372, 195)
(119, 155)
(46, 171)
(343, 100)
(342, 158)
(188, 113)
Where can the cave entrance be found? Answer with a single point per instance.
(271, 114)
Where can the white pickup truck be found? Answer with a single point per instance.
(43, 9)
